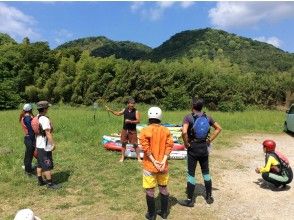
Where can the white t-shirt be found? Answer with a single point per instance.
(41, 141)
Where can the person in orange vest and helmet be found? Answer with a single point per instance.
(157, 143)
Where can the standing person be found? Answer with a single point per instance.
(277, 169)
(45, 145)
(195, 133)
(129, 131)
(157, 143)
(25, 118)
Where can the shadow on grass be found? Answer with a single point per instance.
(61, 177)
(268, 186)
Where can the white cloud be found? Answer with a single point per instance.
(62, 35)
(271, 40)
(16, 23)
(154, 11)
(237, 14)
(136, 6)
(186, 4)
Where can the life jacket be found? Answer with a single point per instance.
(37, 127)
(131, 115)
(24, 127)
(282, 159)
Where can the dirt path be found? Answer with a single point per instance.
(239, 193)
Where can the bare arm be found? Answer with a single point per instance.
(185, 134)
(50, 138)
(217, 130)
(114, 112)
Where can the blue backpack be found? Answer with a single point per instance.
(201, 127)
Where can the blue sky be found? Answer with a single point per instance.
(150, 23)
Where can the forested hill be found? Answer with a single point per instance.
(104, 47)
(251, 55)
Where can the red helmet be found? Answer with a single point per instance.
(269, 145)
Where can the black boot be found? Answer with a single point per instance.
(190, 193)
(150, 215)
(208, 186)
(164, 206)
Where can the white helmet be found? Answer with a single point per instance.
(27, 107)
(26, 214)
(155, 112)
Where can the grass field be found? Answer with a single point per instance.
(95, 185)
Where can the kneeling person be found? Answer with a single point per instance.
(157, 144)
(277, 169)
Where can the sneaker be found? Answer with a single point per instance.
(53, 186)
(162, 215)
(209, 199)
(186, 202)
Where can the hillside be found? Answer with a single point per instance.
(209, 43)
(104, 47)
(6, 39)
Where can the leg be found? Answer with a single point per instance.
(164, 195)
(133, 139)
(149, 183)
(40, 159)
(204, 163)
(151, 214)
(28, 158)
(137, 152)
(124, 141)
(275, 179)
(191, 181)
(123, 150)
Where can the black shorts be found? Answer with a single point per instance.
(45, 160)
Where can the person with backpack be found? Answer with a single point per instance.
(197, 139)
(157, 143)
(25, 118)
(44, 144)
(129, 131)
(277, 169)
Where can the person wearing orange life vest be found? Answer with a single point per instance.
(157, 142)
(25, 118)
(277, 169)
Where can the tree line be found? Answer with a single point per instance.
(32, 71)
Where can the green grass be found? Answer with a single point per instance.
(94, 183)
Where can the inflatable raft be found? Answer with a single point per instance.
(175, 155)
(116, 138)
(117, 146)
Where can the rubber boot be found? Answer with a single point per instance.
(190, 193)
(164, 206)
(150, 215)
(208, 186)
